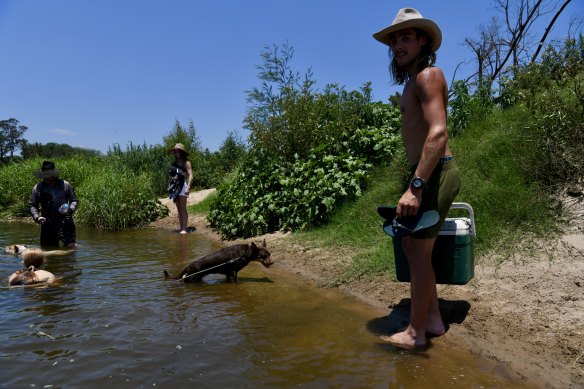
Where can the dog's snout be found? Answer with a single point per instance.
(266, 261)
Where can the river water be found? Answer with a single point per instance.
(113, 320)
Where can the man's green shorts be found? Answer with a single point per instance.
(439, 194)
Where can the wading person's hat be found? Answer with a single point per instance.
(179, 146)
(411, 18)
(47, 170)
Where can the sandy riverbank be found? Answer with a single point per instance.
(527, 313)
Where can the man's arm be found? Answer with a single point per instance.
(73, 202)
(430, 89)
(430, 93)
(33, 204)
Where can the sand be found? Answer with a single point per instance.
(526, 313)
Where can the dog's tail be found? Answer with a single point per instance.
(166, 275)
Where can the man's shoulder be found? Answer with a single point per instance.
(66, 184)
(429, 80)
(430, 73)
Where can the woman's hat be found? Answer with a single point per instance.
(179, 146)
(411, 18)
(47, 170)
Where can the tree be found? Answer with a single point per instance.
(187, 136)
(231, 152)
(395, 99)
(288, 117)
(486, 49)
(519, 17)
(283, 93)
(548, 29)
(54, 150)
(11, 137)
(496, 46)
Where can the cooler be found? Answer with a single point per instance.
(453, 255)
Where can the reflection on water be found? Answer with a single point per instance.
(114, 320)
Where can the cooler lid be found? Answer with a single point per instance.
(456, 226)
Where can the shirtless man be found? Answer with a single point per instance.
(413, 41)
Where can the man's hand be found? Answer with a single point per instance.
(41, 220)
(409, 203)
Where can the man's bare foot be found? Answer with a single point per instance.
(435, 330)
(405, 339)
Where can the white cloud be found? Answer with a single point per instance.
(62, 131)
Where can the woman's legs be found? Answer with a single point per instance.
(183, 216)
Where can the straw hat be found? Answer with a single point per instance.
(411, 18)
(179, 146)
(47, 170)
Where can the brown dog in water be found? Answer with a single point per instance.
(228, 261)
(20, 249)
(17, 249)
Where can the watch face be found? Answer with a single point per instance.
(417, 183)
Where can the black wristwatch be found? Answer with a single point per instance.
(417, 183)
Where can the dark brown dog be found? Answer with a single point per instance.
(227, 261)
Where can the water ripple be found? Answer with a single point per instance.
(112, 319)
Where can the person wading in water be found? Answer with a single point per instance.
(52, 204)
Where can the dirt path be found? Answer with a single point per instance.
(197, 222)
(526, 313)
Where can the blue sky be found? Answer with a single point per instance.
(96, 73)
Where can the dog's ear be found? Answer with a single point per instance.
(264, 243)
(253, 246)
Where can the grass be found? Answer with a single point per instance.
(508, 205)
(203, 207)
(110, 196)
(356, 229)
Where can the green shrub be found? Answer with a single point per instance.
(265, 198)
(110, 195)
(288, 116)
(268, 195)
(17, 180)
(16, 183)
(116, 199)
(310, 151)
(152, 162)
(466, 107)
(355, 230)
(551, 94)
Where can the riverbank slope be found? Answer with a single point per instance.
(526, 313)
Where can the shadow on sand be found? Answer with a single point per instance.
(453, 312)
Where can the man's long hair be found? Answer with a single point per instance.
(426, 58)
